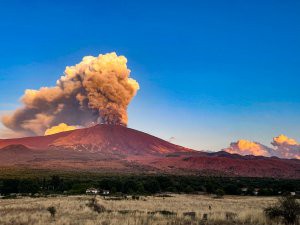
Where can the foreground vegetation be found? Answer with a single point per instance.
(160, 209)
(47, 198)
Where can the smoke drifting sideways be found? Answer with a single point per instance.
(97, 90)
(282, 147)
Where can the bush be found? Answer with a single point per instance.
(188, 189)
(52, 211)
(93, 204)
(165, 212)
(192, 215)
(230, 216)
(135, 197)
(220, 193)
(287, 209)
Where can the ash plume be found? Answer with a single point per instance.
(97, 90)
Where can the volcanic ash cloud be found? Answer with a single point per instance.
(97, 90)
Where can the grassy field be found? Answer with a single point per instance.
(146, 210)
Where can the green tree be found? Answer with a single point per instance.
(10, 186)
(210, 187)
(130, 186)
(220, 193)
(165, 182)
(231, 189)
(28, 186)
(57, 183)
(188, 189)
(152, 186)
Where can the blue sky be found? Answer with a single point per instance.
(210, 72)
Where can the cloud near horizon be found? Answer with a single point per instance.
(245, 147)
(97, 90)
(283, 147)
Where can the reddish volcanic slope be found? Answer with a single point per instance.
(100, 138)
(114, 148)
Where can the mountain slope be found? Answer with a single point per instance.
(114, 148)
(100, 138)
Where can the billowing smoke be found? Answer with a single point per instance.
(283, 147)
(97, 90)
(59, 128)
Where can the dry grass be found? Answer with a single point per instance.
(76, 210)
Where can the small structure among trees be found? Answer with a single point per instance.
(105, 192)
(92, 191)
(244, 190)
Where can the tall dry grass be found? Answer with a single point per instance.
(76, 210)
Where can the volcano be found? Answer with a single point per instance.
(114, 139)
(116, 148)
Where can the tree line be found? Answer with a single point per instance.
(138, 184)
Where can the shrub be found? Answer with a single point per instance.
(220, 193)
(166, 213)
(135, 197)
(287, 209)
(190, 214)
(93, 204)
(230, 216)
(188, 189)
(52, 211)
